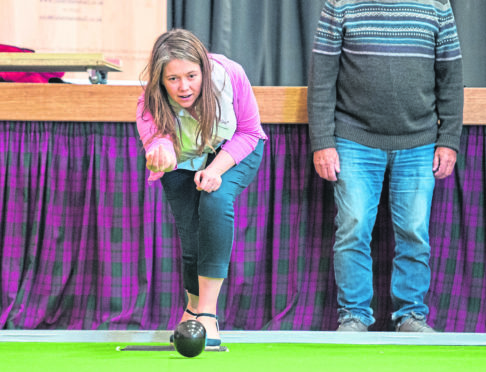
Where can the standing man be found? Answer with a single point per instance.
(385, 94)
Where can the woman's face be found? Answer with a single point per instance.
(182, 80)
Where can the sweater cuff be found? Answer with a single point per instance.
(323, 143)
(446, 140)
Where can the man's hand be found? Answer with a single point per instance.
(326, 162)
(160, 160)
(444, 161)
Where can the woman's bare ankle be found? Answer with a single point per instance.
(211, 326)
(189, 314)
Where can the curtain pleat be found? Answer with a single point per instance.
(86, 243)
(457, 238)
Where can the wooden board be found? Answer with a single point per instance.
(114, 103)
(57, 62)
(475, 106)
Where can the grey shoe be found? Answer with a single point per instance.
(352, 325)
(415, 325)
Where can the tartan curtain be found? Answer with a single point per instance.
(87, 244)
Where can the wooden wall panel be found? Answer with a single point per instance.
(123, 30)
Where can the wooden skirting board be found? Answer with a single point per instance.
(115, 103)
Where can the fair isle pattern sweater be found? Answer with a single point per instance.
(386, 74)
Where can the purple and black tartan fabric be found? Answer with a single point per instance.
(87, 244)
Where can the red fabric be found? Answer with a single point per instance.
(28, 76)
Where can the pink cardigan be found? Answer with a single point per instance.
(248, 127)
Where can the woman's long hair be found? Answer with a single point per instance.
(184, 45)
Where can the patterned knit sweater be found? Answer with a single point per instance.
(386, 74)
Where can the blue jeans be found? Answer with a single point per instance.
(357, 194)
(205, 221)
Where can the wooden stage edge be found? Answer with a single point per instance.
(229, 337)
(114, 103)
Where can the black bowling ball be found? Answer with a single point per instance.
(190, 338)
